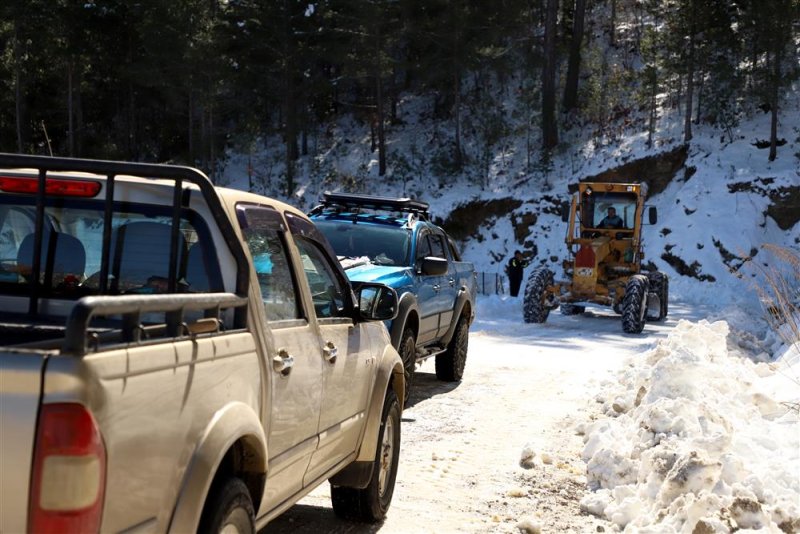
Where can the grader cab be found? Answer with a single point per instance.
(604, 237)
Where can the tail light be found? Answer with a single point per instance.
(53, 186)
(69, 467)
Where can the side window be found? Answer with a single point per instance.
(15, 225)
(453, 250)
(327, 291)
(263, 231)
(423, 247)
(437, 246)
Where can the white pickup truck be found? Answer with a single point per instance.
(176, 357)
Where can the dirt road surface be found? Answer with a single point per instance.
(526, 388)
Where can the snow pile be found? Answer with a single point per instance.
(697, 439)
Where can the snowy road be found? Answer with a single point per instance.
(525, 387)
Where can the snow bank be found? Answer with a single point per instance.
(696, 439)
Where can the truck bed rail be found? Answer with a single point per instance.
(131, 307)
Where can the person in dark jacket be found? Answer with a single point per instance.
(612, 220)
(514, 271)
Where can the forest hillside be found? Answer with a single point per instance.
(489, 111)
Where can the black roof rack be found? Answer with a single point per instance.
(353, 201)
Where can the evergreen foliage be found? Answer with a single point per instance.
(181, 81)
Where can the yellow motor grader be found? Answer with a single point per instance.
(605, 242)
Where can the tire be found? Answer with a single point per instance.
(451, 363)
(533, 308)
(371, 503)
(571, 309)
(634, 304)
(658, 283)
(408, 353)
(229, 508)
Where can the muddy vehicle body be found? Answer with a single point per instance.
(604, 237)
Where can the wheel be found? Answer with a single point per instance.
(371, 503)
(571, 309)
(450, 364)
(229, 509)
(408, 353)
(658, 283)
(634, 304)
(534, 309)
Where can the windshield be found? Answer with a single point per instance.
(383, 245)
(609, 210)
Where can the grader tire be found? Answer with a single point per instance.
(634, 305)
(659, 284)
(534, 309)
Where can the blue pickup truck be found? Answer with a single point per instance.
(393, 241)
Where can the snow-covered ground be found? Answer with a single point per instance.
(545, 433)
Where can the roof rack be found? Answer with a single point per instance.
(338, 201)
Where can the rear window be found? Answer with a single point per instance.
(70, 255)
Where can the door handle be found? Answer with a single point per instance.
(437, 287)
(283, 362)
(329, 352)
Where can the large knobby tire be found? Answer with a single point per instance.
(228, 509)
(534, 309)
(571, 309)
(634, 305)
(408, 353)
(450, 364)
(658, 283)
(371, 503)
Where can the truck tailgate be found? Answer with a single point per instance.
(20, 392)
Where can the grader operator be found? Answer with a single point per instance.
(604, 237)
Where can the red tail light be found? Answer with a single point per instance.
(69, 465)
(53, 186)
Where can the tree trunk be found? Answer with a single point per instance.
(70, 109)
(131, 141)
(574, 67)
(18, 85)
(381, 129)
(190, 137)
(687, 122)
(613, 32)
(549, 127)
(79, 117)
(775, 93)
(212, 152)
(459, 156)
(700, 87)
(651, 128)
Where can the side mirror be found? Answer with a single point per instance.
(434, 266)
(376, 302)
(565, 211)
(652, 214)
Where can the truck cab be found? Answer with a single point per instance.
(393, 241)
